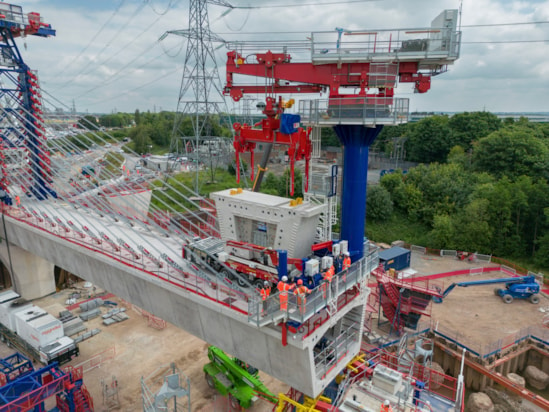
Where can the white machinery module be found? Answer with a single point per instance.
(33, 330)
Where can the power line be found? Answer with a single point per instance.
(176, 70)
(115, 12)
(505, 41)
(507, 24)
(469, 25)
(272, 6)
(136, 12)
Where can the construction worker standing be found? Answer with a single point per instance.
(301, 292)
(327, 276)
(346, 265)
(265, 292)
(386, 407)
(283, 289)
(346, 261)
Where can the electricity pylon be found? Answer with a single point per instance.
(201, 92)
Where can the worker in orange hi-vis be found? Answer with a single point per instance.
(327, 276)
(283, 289)
(265, 292)
(301, 292)
(386, 407)
(17, 201)
(346, 265)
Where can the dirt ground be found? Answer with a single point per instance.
(475, 313)
(140, 350)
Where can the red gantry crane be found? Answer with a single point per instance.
(359, 70)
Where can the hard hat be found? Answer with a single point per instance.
(300, 282)
(347, 254)
(284, 278)
(266, 283)
(386, 403)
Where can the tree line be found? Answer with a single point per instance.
(482, 185)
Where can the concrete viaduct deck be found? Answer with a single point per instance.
(214, 313)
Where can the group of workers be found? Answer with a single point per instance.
(300, 289)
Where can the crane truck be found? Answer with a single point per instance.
(522, 287)
(236, 379)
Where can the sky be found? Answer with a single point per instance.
(106, 56)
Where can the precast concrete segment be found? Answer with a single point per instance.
(212, 322)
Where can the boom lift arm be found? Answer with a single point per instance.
(524, 287)
(232, 377)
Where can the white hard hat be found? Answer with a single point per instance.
(386, 403)
(284, 278)
(266, 283)
(347, 254)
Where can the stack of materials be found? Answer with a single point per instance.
(71, 324)
(114, 315)
(91, 309)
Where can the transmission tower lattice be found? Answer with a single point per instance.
(201, 93)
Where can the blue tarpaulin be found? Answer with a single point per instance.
(289, 123)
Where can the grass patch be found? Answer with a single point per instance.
(398, 227)
(167, 193)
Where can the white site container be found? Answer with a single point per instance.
(312, 267)
(11, 303)
(55, 348)
(37, 327)
(327, 261)
(336, 249)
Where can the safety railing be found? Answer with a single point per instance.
(440, 44)
(214, 287)
(300, 309)
(486, 350)
(328, 353)
(437, 382)
(367, 110)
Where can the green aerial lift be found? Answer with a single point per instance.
(234, 378)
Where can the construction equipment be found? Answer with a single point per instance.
(238, 380)
(523, 287)
(21, 99)
(359, 70)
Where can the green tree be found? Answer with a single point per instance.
(512, 152)
(140, 138)
(443, 234)
(88, 123)
(378, 203)
(468, 127)
(444, 188)
(430, 140)
(473, 230)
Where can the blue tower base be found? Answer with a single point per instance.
(356, 140)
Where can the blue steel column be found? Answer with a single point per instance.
(356, 140)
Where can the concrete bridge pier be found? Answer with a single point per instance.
(32, 276)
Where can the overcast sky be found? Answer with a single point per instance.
(106, 55)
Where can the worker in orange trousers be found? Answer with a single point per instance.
(327, 276)
(265, 292)
(283, 289)
(301, 292)
(346, 265)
